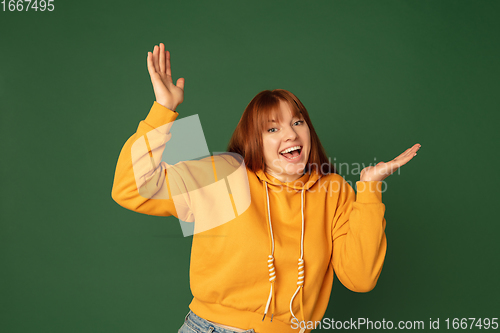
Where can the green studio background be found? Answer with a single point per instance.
(376, 77)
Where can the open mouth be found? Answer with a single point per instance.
(292, 153)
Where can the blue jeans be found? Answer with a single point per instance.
(195, 324)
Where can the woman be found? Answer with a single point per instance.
(269, 267)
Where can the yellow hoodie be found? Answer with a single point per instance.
(279, 253)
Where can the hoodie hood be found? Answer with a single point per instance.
(305, 182)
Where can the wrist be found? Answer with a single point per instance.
(169, 106)
(370, 180)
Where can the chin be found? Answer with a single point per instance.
(294, 169)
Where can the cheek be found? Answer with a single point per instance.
(306, 137)
(269, 147)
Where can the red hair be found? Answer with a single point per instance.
(247, 137)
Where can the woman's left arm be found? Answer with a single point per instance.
(358, 229)
(358, 232)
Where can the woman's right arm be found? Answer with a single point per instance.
(141, 182)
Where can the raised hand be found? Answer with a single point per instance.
(167, 93)
(384, 169)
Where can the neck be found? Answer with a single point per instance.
(285, 177)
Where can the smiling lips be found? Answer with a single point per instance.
(292, 153)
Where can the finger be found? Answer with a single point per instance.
(180, 83)
(415, 147)
(151, 68)
(162, 58)
(169, 72)
(403, 153)
(155, 58)
(397, 163)
(410, 151)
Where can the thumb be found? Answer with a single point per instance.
(180, 83)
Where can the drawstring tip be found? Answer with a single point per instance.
(272, 316)
(302, 330)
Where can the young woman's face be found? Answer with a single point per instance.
(281, 162)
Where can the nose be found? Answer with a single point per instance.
(289, 133)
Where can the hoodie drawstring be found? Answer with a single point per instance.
(270, 264)
(301, 278)
(270, 261)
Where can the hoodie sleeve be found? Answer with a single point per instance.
(141, 183)
(358, 233)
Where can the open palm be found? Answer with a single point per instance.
(384, 169)
(167, 93)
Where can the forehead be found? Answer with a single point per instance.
(283, 112)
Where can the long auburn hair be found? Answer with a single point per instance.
(247, 137)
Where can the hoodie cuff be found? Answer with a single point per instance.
(160, 115)
(369, 192)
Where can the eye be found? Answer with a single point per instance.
(298, 122)
(272, 130)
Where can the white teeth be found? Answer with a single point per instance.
(290, 149)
